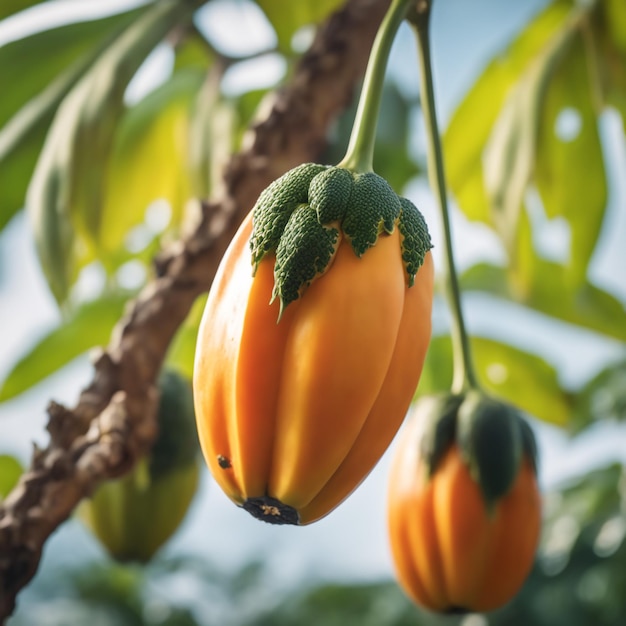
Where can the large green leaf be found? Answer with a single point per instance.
(149, 158)
(89, 326)
(551, 293)
(66, 194)
(521, 378)
(22, 63)
(9, 7)
(10, 472)
(569, 167)
(27, 109)
(471, 125)
(512, 131)
(509, 154)
(288, 17)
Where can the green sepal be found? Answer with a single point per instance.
(529, 445)
(415, 238)
(304, 252)
(438, 417)
(302, 215)
(490, 438)
(373, 208)
(276, 204)
(330, 192)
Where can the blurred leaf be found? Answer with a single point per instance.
(21, 63)
(65, 197)
(472, 123)
(521, 378)
(550, 292)
(569, 167)
(9, 7)
(148, 160)
(603, 397)
(193, 52)
(87, 327)
(27, 109)
(288, 17)
(615, 16)
(10, 472)
(609, 37)
(509, 154)
(182, 350)
(213, 129)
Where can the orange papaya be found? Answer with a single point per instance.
(312, 341)
(464, 508)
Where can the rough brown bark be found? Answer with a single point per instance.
(113, 424)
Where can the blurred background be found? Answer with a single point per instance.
(532, 104)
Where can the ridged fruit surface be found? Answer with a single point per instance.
(294, 407)
(453, 551)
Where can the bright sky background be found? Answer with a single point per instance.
(352, 541)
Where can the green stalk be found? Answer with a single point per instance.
(360, 153)
(464, 377)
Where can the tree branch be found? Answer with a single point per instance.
(113, 424)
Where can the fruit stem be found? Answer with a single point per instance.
(464, 376)
(360, 153)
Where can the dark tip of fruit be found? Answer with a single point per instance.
(271, 511)
(457, 610)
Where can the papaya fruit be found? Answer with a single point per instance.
(464, 508)
(135, 515)
(312, 341)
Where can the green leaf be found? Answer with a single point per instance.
(509, 154)
(551, 293)
(66, 194)
(472, 123)
(21, 63)
(10, 472)
(288, 17)
(9, 7)
(149, 159)
(602, 398)
(213, 129)
(569, 168)
(87, 327)
(193, 52)
(609, 39)
(27, 109)
(615, 22)
(523, 379)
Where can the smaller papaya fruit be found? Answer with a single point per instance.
(464, 508)
(135, 515)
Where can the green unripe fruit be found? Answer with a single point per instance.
(135, 515)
